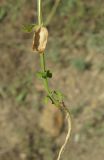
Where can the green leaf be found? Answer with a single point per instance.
(29, 28)
(49, 74)
(58, 95)
(46, 74)
(41, 74)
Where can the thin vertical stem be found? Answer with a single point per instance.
(42, 62)
(42, 56)
(43, 68)
(39, 4)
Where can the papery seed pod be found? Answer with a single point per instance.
(40, 39)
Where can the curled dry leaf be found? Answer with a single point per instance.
(40, 39)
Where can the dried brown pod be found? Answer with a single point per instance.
(40, 39)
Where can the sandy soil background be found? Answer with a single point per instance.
(30, 129)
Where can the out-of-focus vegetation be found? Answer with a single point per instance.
(75, 53)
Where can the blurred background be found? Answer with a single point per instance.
(29, 128)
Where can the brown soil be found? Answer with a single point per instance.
(31, 130)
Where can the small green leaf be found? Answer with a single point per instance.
(29, 28)
(39, 74)
(58, 95)
(49, 74)
(46, 74)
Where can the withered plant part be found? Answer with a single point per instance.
(40, 39)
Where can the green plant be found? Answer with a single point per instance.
(95, 42)
(66, 6)
(39, 44)
(80, 64)
(3, 12)
(14, 8)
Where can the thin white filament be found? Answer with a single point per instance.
(67, 137)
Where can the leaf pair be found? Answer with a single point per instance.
(46, 74)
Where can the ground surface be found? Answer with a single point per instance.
(30, 129)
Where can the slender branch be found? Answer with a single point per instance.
(52, 12)
(39, 4)
(43, 68)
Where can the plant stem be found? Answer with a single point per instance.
(43, 68)
(42, 57)
(39, 6)
(45, 80)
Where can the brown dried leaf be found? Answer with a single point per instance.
(40, 39)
